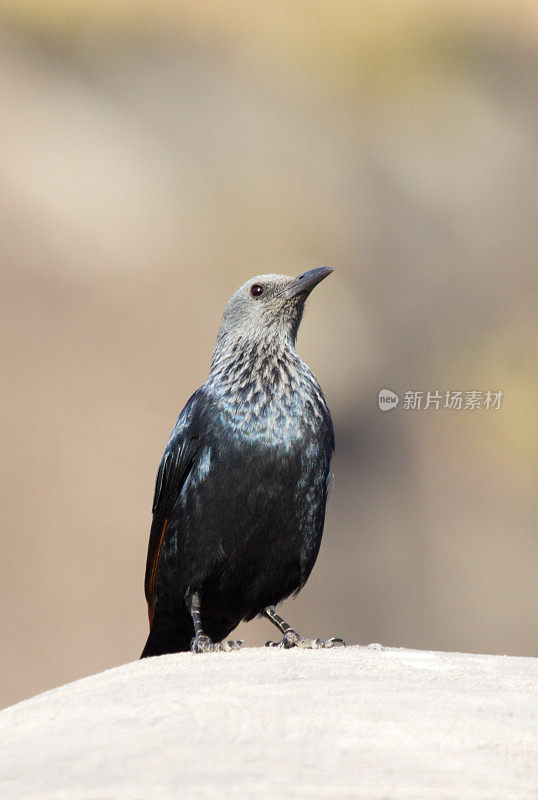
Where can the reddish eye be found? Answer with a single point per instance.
(256, 290)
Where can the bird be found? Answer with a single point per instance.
(241, 490)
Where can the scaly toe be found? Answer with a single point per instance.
(202, 644)
(291, 639)
(232, 644)
(294, 640)
(309, 644)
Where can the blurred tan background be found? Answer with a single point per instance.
(156, 155)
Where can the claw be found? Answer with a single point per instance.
(231, 644)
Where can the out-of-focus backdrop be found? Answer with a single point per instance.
(156, 155)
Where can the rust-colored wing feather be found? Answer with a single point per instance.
(176, 464)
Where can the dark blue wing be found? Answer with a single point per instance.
(175, 465)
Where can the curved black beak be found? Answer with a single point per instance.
(303, 284)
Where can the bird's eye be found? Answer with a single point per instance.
(256, 290)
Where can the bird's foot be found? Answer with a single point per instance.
(203, 644)
(293, 639)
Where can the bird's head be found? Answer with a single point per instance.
(267, 309)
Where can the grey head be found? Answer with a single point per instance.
(265, 312)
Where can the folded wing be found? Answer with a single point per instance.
(174, 468)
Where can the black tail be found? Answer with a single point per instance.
(171, 631)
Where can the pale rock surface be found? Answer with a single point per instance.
(360, 722)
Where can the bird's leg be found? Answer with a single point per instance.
(202, 643)
(291, 638)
